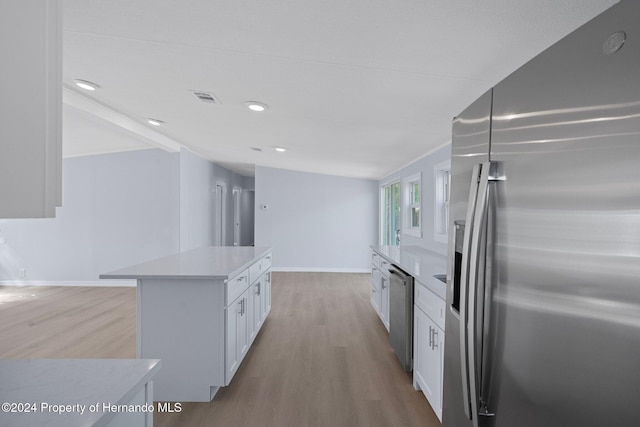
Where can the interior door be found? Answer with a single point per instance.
(218, 216)
(236, 215)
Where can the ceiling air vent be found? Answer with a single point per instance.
(206, 97)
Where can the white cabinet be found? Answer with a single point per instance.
(428, 346)
(246, 314)
(428, 359)
(375, 289)
(384, 299)
(30, 108)
(237, 334)
(380, 287)
(256, 302)
(259, 302)
(265, 294)
(201, 300)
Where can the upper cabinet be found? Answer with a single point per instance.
(30, 108)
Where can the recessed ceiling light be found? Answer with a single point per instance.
(86, 85)
(256, 148)
(155, 122)
(280, 149)
(257, 106)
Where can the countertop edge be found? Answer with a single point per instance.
(261, 251)
(153, 370)
(428, 281)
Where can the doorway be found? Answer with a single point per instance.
(237, 194)
(219, 216)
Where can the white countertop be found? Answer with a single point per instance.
(70, 382)
(421, 263)
(209, 262)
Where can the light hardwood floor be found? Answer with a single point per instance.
(322, 357)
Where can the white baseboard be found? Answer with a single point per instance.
(320, 270)
(107, 283)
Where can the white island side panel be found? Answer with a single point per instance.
(181, 322)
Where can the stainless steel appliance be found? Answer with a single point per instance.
(401, 315)
(543, 291)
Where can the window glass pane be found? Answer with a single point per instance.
(391, 213)
(416, 193)
(442, 175)
(415, 217)
(446, 180)
(395, 214)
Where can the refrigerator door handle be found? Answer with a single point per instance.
(464, 276)
(479, 218)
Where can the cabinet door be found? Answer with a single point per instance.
(266, 295)
(232, 313)
(428, 359)
(255, 295)
(237, 340)
(384, 301)
(375, 289)
(243, 328)
(438, 377)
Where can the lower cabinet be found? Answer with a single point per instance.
(245, 315)
(384, 300)
(238, 334)
(256, 301)
(428, 358)
(375, 289)
(265, 295)
(380, 288)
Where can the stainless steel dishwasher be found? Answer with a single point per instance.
(401, 316)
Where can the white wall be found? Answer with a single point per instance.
(424, 165)
(316, 222)
(198, 180)
(196, 201)
(118, 209)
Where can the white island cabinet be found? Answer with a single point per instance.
(199, 311)
(77, 392)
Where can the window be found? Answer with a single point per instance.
(412, 216)
(390, 214)
(442, 179)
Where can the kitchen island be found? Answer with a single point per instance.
(77, 392)
(199, 311)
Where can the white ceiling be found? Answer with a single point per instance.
(355, 88)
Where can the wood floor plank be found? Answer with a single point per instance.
(322, 357)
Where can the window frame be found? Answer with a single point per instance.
(386, 235)
(442, 183)
(408, 205)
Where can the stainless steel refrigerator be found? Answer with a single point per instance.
(543, 288)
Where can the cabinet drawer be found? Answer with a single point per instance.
(256, 270)
(375, 260)
(266, 262)
(384, 267)
(430, 303)
(236, 286)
